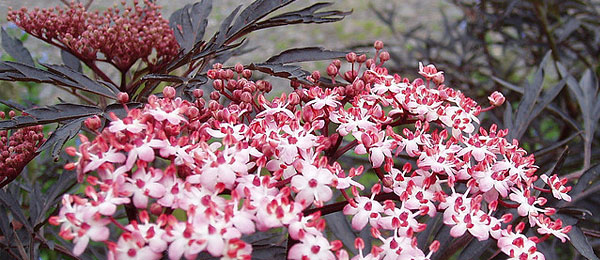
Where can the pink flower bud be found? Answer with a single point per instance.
(215, 95)
(384, 56)
(496, 99)
(438, 79)
(93, 123)
(332, 70)
(218, 85)
(294, 98)
(123, 97)
(198, 93)
(337, 63)
(247, 73)
(351, 57)
(239, 67)
(169, 92)
(378, 45)
(316, 75)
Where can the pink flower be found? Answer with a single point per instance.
(496, 99)
(81, 222)
(429, 71)
(144, 150)
(311, 247)
(145, 184)
(133, 246)
(172, 117)
(367, 210)
(312, 185)
(557, 186)
(109, 156)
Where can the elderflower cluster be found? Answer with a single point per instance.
(196, 177)
(121, 36)
(17, 148)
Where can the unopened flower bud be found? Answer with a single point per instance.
(198, 93)
(332, 70)
(229, 74)
(169, 92)
(362, 58)
(93, 123)
(351, 57)
(156, 209)
(246, 97)
(192, 112)
(214, 105)
(337, 63)
(316, 75)
(215, 95)
(370, 63)
(123, 97)
(218, 84)
(438, 79)
(247, 73)
(378, 45)
(294, 98)
(384, 56)
(239, 67)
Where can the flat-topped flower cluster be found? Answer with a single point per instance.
(198, 176)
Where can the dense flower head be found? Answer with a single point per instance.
(121, 36)
(17, 148)
(251, 165)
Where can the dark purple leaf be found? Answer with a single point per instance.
(475, 249)
(15, 49)
(586, 179)
(291, 72)
(50, 114)
(567, 29)
(82, 82)
(306, 15)
(5, 225)
(164, 77)
(341, 229)
(61, 112)
(305, 54)
(35, 203)
(25, 72)
(61, 135)
(71, 61)
(11, 203)
(189, 23)
(256, 11)
(13, 105)
(527, 104)
(54, 194)
(57, 75)
(221, 36)
(577, 238)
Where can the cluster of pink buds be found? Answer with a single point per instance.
(17, 149)
(196, 176)
(122, 36)
(235, 85)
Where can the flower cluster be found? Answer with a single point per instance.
(17, 149)
(197, 176)
(122, 36)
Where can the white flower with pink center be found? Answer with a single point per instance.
(313, 185)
